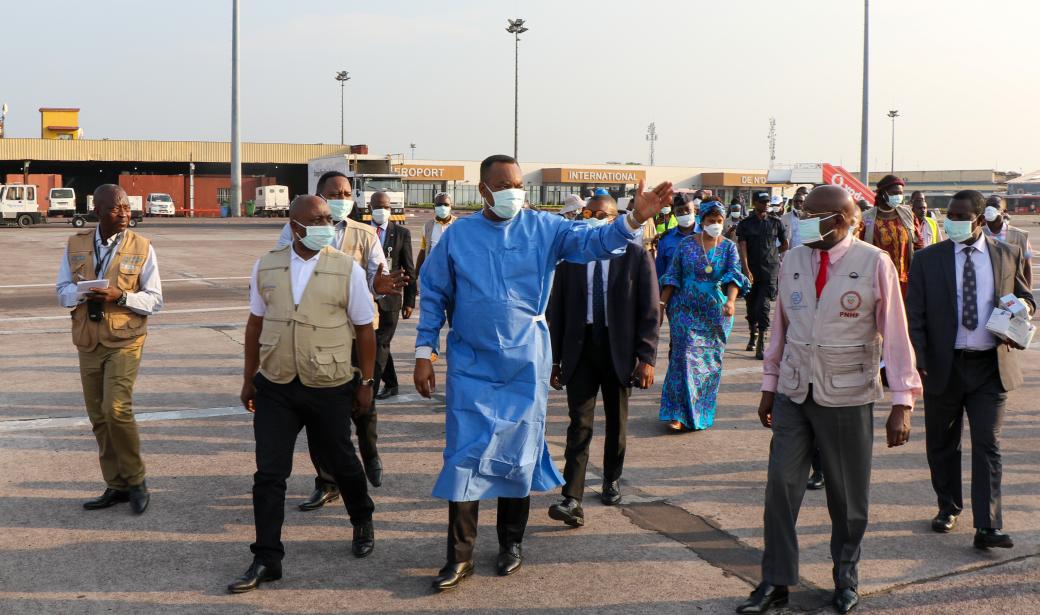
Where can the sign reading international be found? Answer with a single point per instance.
(593, 176)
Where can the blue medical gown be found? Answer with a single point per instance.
(493, 280)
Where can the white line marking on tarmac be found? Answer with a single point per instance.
(205, 325)
(51, 285)
(77, 421)
(66, 317)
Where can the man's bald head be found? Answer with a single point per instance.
(306, 207)
(109, 194)
(836, 211)
(112, 209)
(379, 200)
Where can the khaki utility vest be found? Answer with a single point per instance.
(832, 343)
(121, 326)
(428, 231)
(358, 241)
(311, 340)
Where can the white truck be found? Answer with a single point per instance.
(18, 205)
(63, 202)
(272, 201)
(159, 204)
(82, 216)
(367, 176)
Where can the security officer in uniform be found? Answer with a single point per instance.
(761, 238)
(109, 326)
(309, 308)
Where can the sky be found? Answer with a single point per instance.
(593, 75)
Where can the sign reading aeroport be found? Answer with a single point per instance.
(425, 172)
(592, 176)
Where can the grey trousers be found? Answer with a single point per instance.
(845, 438)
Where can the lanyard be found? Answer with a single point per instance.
(100, 264)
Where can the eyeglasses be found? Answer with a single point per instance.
(599, 215)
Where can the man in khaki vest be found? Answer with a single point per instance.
(359, 241)
(109, 326)
(840, 311)
(309, 308)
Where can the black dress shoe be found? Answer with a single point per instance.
(110, 497)
(569, 511)
(451, 575)
(611, 493)
(751, 342)
(364, 540)
(845, 599)
(320, 497)
(374, 470)
(944, 523)
(139, 498)
(760, 347)
(815, 482)
(510, 558)
(764, 597)
(387, 393)
(258, 573)
(986, 538)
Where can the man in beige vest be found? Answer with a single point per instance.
(434, 229)
(839, 313)
(309, 307)
(109, 326)
(359, 241)
(998, 227)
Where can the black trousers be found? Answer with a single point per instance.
(366, 435)
(758, 299)
(844, 436)
(462, 525)
(389, 373)
(974, 389)
(594, 373)
(281, 411)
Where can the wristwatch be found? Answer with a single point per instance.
(121, 302)
(367, 382)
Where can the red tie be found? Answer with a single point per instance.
(379, 233)
(821, 275)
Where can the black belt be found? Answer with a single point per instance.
(964, 353)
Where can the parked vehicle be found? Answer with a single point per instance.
(367, 176)
(272, 201)
(18, 205)
(86, 214)
(159, 204)
(62, 202)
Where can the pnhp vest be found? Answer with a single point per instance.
(121, 326)
(832, 343)
(311, 340)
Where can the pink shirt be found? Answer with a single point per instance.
(890, 316)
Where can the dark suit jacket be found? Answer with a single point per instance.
(931, 304)
(632, 311)
(397, 247)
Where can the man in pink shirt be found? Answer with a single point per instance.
(840, 311)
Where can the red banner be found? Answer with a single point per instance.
(838, 176)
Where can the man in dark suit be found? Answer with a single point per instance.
(396, 241)
(603, 327)
(965, 368)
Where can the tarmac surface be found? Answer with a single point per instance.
(686, 539)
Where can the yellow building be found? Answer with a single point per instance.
(59, 123)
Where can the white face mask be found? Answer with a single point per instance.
(685, 221)
(666, 210)
(317, 237)
(508, 202)
(734, 214)
(991, 213)
(341, 208)
(895, 199)
(596, 222)
(442, 211)
(713, 229)
(380, 216)
(809, 229)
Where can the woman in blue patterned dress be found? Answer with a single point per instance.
(699, 290)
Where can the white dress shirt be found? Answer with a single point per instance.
(375, 255)
(146, 301)
(590, 269)
(359, 306)
(980, 338)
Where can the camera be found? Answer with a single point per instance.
(96, 311)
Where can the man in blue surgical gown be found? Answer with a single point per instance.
(491, 277)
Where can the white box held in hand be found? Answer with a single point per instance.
(1007, 326)
(1017, 307)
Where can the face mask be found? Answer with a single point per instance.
(317, 236)
(666, 210)
(685, 221)
(809, 229)
(380, 216)
(991, 213)
(596, 222)
(895, 199)
(958, 231)
(442, 211)
(508, 202)
(341, 208)
(713, 229)
(734, 214)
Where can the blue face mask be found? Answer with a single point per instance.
(317, 237)
(809, 229)
(895, 199)
(442, 211)
(958, 231)
(596, 222)
(341, 208)
(508, 202)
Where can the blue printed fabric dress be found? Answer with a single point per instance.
(698, 329)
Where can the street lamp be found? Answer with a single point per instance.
(412, 145)
(893, 114)
(343, 77)
(516, 28)
(236, 134)
(864, 174)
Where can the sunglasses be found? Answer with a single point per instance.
(599, 215)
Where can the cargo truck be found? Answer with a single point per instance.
(18, 205)
(86, 214)
(272, 201)
(367, 176)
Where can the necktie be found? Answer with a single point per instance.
(969, 293)
(821, 275)
(379, 234)
(599, 307)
